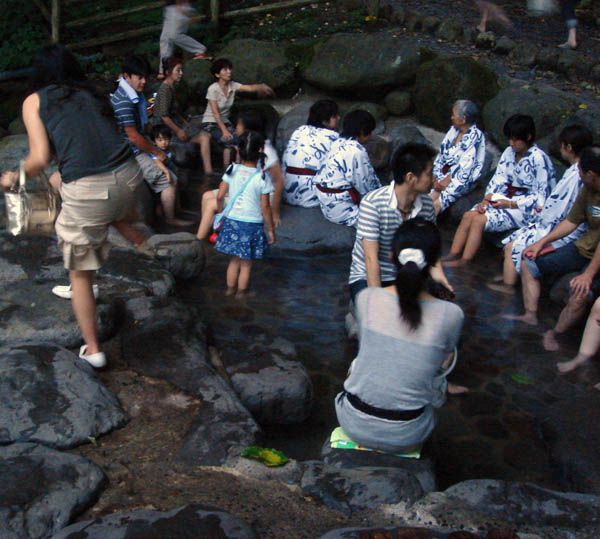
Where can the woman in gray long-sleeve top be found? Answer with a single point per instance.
(406, 338)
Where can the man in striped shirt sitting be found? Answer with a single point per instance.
(383, 210)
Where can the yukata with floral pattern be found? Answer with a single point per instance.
(463, 161)
(525, 182)
(555, 210)
(346, 168)
(307, 149)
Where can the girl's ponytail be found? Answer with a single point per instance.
(416, 247)
(261, 163)
(251, 147)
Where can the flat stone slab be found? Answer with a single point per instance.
(358, 489)
(166, 339)
(43, 490)
(401, 533)
(482, 504)
(306, 230)
(423, 469)
(188, 522)
(48, 395)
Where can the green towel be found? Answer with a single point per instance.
(340, 440)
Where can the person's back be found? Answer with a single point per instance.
(85, 139)
(247, 206)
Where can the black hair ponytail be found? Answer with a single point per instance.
(261, 163)
(416, 247)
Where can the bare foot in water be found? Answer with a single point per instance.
(501, 287)
(243, 294)
(527, 318)
(230, 291)
(549, 341)
(597, 386)
(449, 257)
(456, 263)
(568, 366)
(454, 389)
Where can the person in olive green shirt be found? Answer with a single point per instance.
(582, 254)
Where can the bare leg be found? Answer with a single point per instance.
(531, 295)
(509, 274)
(205, 152)
(461, 235)
(84, 307)
(475, 236)
(574, 310)
(55, 180)
(244, 277)
(167, 200)
(209, 210)
(437, 206)
(131, 234)
(571, 42)
(226, 157)
(589, 342)
(233, 272)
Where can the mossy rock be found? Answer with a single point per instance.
(363, 65)
(398, 102)
(548, 108)
(444, 80)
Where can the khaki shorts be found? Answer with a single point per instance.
(154, 176)
(89, 206)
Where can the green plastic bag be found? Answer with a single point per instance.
(269, 457)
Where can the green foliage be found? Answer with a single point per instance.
(21, 34)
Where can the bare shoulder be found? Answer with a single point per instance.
(31, 103)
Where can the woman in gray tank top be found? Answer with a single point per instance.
(407, 339)
(67, 120)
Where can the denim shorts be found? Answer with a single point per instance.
(564, 260)
(217, 135)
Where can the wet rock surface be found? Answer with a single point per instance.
(166, 340)
(49, 396)
(180, 254)
(357, 489)
(484, 504)
(190, 522)
(43, 489)
(306, 230)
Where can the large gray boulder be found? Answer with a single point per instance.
(547, 106)
(289, 122)
(260, 61)
(442, 81)
(268, 378)
(43, 490)
(399, 135)
(378, 62)
(198, 78)
(481, 504)
(192, 521)
(305, 229)
(165, 339)
(358, 489)
(49, 396)
(180, 254)
(589, 118)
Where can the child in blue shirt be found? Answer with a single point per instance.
(161, 136)
(243, 232)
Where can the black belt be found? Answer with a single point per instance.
(392, 415)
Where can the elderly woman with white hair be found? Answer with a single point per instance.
(458, 166)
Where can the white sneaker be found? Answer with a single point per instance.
(64, 291)
(97, 360)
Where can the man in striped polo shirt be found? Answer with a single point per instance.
(383, 210)
(129, 106)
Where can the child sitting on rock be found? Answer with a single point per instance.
(243, 231)
(161, 136)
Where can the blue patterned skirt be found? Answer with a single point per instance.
(246, 240)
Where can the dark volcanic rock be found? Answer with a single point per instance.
(180, 254)
(305, 229)
(444, 80)
(271, 383)
(422, 469)
(43, 489)
(401, 533)
(166, 339)
(357, 489)
(189, 522)
(50, 396)
(289, 122)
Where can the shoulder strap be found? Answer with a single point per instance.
(234, 198)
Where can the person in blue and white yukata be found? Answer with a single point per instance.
(573, 139)
(515, 195)
(347, 174)
(459, 163)
(306, 152)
